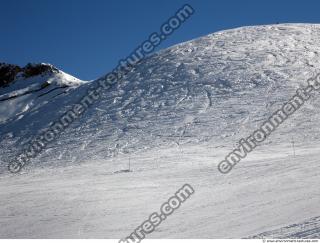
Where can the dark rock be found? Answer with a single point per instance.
(8, 73)
(38, 69)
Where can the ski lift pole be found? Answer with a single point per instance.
(293, 148)
(129, 163)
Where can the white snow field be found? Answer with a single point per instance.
(175, 116)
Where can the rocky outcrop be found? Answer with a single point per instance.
(38, 69)
(10, 72)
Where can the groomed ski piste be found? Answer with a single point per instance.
(173, 118)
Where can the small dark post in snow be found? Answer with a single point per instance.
(157, 162)
(293, 148)
(129, 163)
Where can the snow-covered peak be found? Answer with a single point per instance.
(10, 73)
(29, 86)
(13, 77)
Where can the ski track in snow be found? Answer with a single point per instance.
(309, 229)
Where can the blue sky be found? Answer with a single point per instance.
(87, 38)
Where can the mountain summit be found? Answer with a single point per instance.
(10, 73)
(24, 88)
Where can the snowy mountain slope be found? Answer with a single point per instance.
(175, 116)
(214, 89)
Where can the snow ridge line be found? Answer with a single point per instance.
(38, 144)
